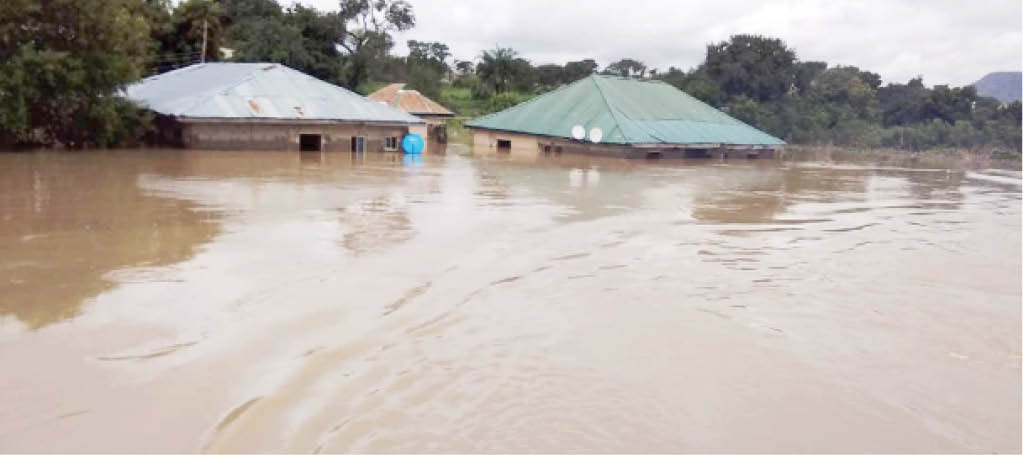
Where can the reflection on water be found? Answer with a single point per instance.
(382, 302)
(68, 221)
(412, 160)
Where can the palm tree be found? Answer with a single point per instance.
(498, 68)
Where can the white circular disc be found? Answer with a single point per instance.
(596, 134)
(578, 132)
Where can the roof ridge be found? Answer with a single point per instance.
(396, 100)
(618, 123)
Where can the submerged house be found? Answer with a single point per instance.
(415, 103)
(620, 117)
(267, 106)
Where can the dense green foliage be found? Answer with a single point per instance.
(761, 81)
(299, 37)
(62, 63)
(58, 81)
(366, 36)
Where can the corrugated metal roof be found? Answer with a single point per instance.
(256, 91)
(629, 111)
(386, 94)
(411, 101)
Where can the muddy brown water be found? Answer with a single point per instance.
(249, 301)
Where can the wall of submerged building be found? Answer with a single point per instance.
(287, 136)
(520, 144)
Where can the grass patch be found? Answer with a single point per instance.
(368, 87)
(460, 100)
(457, 132)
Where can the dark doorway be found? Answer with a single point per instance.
(503, 144)
(309, 142)
(653, 155)
(697, 153)
(358, 144)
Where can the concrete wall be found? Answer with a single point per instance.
(526, 145)
(284, 136)
(520, 143)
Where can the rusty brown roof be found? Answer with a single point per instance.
(411, 101)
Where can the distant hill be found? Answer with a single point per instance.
(1005, 86)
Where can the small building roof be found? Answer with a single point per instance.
(629, 112)
(255, 91)
(411, 101)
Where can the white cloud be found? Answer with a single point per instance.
(946, 41)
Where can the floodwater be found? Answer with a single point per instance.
(182, 301)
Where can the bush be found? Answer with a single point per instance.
(466, 81)
(505, 100)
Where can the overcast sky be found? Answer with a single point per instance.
(946, 41)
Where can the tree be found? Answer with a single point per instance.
(429, 51)
(255, 30)
(950, 104)
(804, 74)
(366, 35)
(702, 87)
(696, 83)
(300, 37)
(501, 70)
(674, 76)
(579, 69)
(760, 68)
(464, 67)
(157, 14)
(847, 104)
(626, 67)
(427, 66)
(871, 79)
(424, 77)
(319, 34)
(902, 104)
(193, 23)
(744, 108)
(550, 76)
(61, 67)
(237, 11)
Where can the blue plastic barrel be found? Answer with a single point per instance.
(412, 144)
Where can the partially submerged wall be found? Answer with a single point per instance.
(285, 136)
(530, 145)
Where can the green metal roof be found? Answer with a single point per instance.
(629, 111)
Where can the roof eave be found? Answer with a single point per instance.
(270, 120)
(637, 144)
(527, 133)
